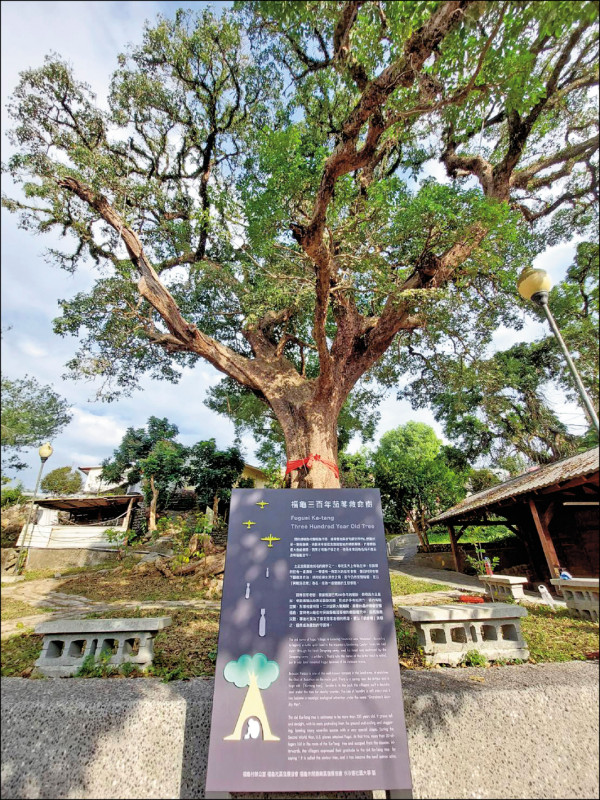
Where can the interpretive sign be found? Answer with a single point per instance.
(307, 686)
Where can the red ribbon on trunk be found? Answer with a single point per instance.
(308, 462)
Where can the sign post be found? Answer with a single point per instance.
(307, 687)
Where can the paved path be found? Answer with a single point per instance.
(403, 550)
(43, 594)
(402, 560)
(516, 731)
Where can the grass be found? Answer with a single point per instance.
(480, 535)
(552, 636)
(556, 636)
(19, 653)
(187, 648)
(403, 585)
(14, 609)
(41, 574)
(410, 655)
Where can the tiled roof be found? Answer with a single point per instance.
(558, 472)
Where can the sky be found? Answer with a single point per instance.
(90, 35)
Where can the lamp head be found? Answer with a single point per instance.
(45, 451)
(534, 284)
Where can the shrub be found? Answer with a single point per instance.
(478, 563)
(12, 496)
(475, 659)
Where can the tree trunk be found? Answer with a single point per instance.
(417, 529)
(215, 509)
(312, 431)
(424, 532)
(153, 505)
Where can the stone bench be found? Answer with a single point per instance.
(501, 587)
(68, 642)
(447, 633)
(581, 596)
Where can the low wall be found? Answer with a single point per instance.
(523, 731)
(510, 553)
(69, 537)
(435, 560)
(47, 558)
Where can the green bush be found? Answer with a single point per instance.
(12, 496)
(475, 659)
(478, 563)
(93, 667)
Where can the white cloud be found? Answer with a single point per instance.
(93, 429)
(557, 259)
(29, 348)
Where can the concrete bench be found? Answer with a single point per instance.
(68, 642)
(447, 633)
(581, 596)
(501, 587)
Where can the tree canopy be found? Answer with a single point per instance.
(62, 480)
(418, 476)
(265, 190)
(151, 456)
(496, 407)
(31, 413)
(213, 472)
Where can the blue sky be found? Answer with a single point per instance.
(90, 35)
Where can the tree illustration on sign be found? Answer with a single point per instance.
(256, 672)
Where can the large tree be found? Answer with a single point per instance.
(418, 477)
(31, 413)
(261, 193)
(62, 480)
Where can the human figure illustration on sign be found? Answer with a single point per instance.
(256, 672)
(253, 729)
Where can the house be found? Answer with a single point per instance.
(553, 509)
(95, 485)
(76, 524)
(255, 474)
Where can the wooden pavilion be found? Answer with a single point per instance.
(553, 509)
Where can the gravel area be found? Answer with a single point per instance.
(528, 731)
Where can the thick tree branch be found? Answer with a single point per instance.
(346, 157)
(186, 335)
(521, 179)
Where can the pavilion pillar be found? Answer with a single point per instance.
(541, 525)
(128, 515)
(454, 546)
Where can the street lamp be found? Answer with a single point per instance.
(45, 452)
(534, 284)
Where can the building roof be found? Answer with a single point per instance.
(71, 503)
(560, 471)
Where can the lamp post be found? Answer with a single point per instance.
(45, 452)
(534, 284)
